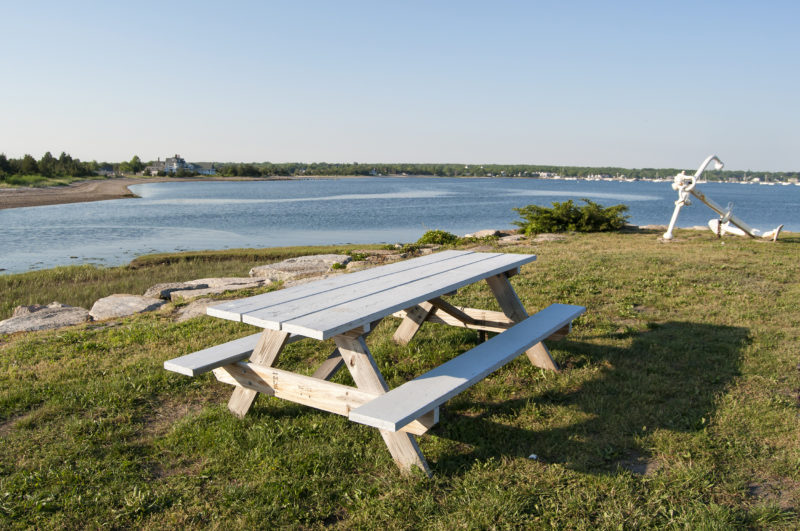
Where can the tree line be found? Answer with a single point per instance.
(66, 166)
(298, 169)
(47, 166)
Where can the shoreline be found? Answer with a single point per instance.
(117, 188)
(91, 190)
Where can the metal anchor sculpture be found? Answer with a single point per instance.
(685, 185)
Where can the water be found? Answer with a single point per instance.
(219, 215)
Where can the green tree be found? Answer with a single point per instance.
(28, 166)
(47, 165)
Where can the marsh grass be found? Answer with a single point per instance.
(677, 407)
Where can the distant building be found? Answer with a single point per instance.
(174, 165)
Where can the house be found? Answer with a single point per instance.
(176, 164)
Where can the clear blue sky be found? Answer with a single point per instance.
(635, 84)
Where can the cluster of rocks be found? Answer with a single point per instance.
(290, 272)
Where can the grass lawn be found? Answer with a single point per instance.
(677, 406)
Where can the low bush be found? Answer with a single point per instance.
(567, 216)
(438, 237)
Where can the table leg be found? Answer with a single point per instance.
(514, 310)
(403, 446)
(412, 322)
(265, 354)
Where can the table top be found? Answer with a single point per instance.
(325, 308)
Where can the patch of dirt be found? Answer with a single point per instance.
(784, 493)
(8, 425)
(639, 464)
(166, 414)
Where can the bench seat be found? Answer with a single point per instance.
(209, 359)
(398, 407)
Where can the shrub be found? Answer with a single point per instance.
(566, 216)
(438, 237)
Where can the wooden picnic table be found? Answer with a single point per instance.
(346, 308)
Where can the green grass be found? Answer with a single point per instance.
(39, 181)
(684, 365)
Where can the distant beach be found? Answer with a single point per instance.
(87, 191)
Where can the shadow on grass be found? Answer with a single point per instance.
(667, 379)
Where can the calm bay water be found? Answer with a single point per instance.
(219, 215)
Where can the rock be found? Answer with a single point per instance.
(483, 234)
(163, 291)
(38, 317)
(360, 266)
(305, 280)
(19, 311)
(122, 305)
(196, 308)
(653, 227)
(549, 238)
(302, 266)
(374, 252)
(215, 286)
(514, 238)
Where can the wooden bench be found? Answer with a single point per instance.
(398, 407)
(209, 359)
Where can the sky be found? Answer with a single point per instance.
(631, 84)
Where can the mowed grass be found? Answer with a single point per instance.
(677, 407)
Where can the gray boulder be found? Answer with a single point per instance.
(123, 305)
(514, 238)
(162, 291)
(302, 266)
(483, 234)
(196, 308)
(39, 317)
(215, 286)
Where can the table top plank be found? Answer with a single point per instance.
(327, 299)
(346, 315)
(234, 310)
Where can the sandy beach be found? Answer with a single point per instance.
(79, 192)
(85, 191)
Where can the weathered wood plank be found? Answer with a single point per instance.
(403, 447)
(486, 320)
(396, 408)
(538, 355)
(208, 359)
(389, 287)
(411, 323)
(308, 391)
(233, 310)
(344, 316)
(265, 353)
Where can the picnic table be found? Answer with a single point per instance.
(346, 308)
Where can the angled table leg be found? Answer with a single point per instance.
(412, 322)
(265, 354)
(514, 310)
(403, 446)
